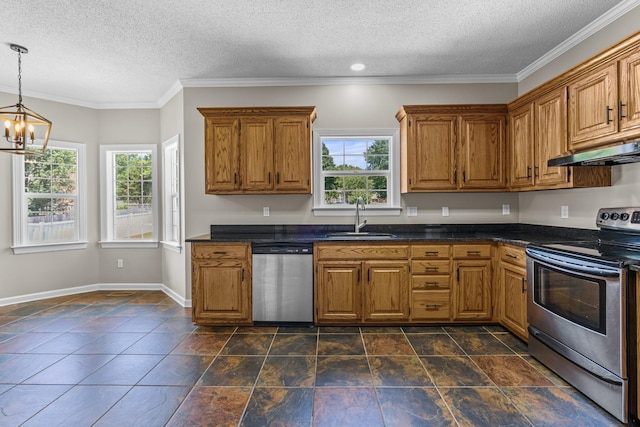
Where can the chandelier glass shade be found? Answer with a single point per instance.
(21, 124)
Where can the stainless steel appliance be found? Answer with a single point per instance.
(282, 282)
(582, 310)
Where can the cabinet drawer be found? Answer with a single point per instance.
(430, 267)
(430, 305)
(218, 251)
(472, 251)
(430, 283)
(513, 255)
(430, 251)
(361, 252)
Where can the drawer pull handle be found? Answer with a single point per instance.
(436, 284)
(430, 253)
(473, 252)
(432, 306)
(219, 253)
(431, 268)
(511, 256)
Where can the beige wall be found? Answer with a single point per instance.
(544, 207)
(175, 264)
(50, 271)
(349, 106)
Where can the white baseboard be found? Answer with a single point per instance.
(98, 287)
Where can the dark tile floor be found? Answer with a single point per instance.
(135, 359)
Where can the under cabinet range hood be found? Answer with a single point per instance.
(617, 155)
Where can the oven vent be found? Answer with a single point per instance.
(619, 154)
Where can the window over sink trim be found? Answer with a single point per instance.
(347, 166)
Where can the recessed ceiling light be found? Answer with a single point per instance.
(358, 67)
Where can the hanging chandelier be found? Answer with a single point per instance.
(21, 123)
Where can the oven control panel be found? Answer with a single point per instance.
(619, 218)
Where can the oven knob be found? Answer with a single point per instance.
(615, 216)
(624, 216)
(604, 216)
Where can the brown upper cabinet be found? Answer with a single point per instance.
(537, 133)
(258, 150)
(452, 147)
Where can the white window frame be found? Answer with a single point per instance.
(107, 152)
(20, 205)
(393, 189)
(171, 194)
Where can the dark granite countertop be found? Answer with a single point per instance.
(518, 234)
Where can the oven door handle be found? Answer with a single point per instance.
(600, 271)
(587, 365)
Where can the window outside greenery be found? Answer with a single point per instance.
(133, 216)
(50, 189)
(355, 167)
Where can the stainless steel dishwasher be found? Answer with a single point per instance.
(282, 282)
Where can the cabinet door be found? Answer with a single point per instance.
(386, 291)
(550, 137)
(292, 140)
(256, 140)
(482, 152)
(338, 292)
(629, 104)
(514, 299)
(431, 148)
(472, 290)
(221, 292)
(593, 106)
(521, 157)
(221, 155)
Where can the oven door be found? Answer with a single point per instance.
(578, 308)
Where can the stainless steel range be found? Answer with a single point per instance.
(582, 310)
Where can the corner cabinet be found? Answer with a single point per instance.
(361, 283)
(452, 148)
(513, 290)
(537, 133)
(258, 150)
(221, 283)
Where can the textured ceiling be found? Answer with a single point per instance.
(107, 53)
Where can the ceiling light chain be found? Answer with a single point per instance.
(21, 119)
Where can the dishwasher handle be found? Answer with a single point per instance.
(285, 248)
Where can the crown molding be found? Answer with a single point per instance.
(613, 14)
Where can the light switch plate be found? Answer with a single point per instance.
(564, 211)
(506, 209)
(445, 211)
(412, 211)
(265, 211)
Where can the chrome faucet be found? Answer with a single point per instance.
(358, 224)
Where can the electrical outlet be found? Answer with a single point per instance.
(564, 211)
(506, 209)
(445, 211)
(120, 263)
(265, 211)
(412, 211)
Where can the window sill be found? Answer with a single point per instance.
(351, 211)
(48, 247)
(114, 244)
(172, 246)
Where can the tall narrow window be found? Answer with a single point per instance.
(129, 210)
(49, 199)
(171, 193)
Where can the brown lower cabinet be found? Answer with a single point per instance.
(221, 283)
(376, 283)
(358, 283)
(513, 290)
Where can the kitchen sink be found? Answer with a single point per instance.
(363, 235)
